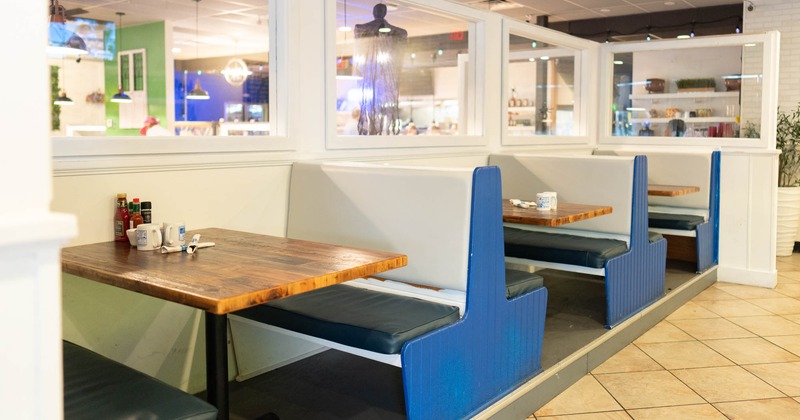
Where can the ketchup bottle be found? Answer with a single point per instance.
(121, 218)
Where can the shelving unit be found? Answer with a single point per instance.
(716, 102)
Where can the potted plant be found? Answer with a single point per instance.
(787, 140)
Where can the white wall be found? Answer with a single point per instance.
(30, 235)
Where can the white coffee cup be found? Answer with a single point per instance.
(553, 199)
(543, 201)
(174, 233)
(148, 237)
(131, 236)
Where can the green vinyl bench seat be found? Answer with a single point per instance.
(357, 317)
(368, 319)
(674, 221)
(561, 248)
(96, 387)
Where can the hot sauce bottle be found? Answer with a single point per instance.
(136, 216)
(121, 218)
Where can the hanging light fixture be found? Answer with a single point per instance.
(345, 28)
(63, 99)
(197, 92)
(120, 96)
(62, 41)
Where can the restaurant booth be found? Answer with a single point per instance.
(460, 99)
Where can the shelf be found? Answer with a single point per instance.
(685, 95)
(522, 108)
(686, 120)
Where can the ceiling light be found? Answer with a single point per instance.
(197, 92)
(544, 58)
(683, 36)
(120, 96)
(669, 3)
(62, 97)
(618, 62)
(605, 10)
(236, 72)
(176, 50)
(345, 28)
(531, 59)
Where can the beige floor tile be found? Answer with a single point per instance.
(680, 412)
(748, 292)
(787, 342)
(788, 289)
(584, 396)
(728, 383)
(712, 328)
(781, 306)
(663, 332)
(783, 376)
(747, 351)
(692, 310)
(767, 325)
(790, 277)
(648, 389)
(714, 293)
(684, 355)
(772, 409)
(629, 359)
(608, 415)
(793, 317)
(731, 307)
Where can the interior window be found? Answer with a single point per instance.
(200, 70)
(400, 70)
(693, 92)
(543, 87)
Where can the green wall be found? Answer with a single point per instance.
(149, 37)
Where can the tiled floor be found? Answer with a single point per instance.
(731, 352)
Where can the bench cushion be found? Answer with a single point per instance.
(520, 282)
(561, 248)
(356, 317)
(96, 387)
(674, 221)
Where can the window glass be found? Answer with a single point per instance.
(158, 57)
(543, 88)
(400, 70)
(692, 92)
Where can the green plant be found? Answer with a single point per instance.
(695, 83)
(751, 131)
(55, 110)
(787, 139)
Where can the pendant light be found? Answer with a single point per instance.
(62, 41)
(197, 92)
(120, 96)
(63, 99)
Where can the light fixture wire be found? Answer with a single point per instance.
(120, 96)
(197, 92)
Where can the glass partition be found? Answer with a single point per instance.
(543, 86)
(689, 92)
(401, 70)
(158, 57)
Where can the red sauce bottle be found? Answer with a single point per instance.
(136, 217)
(121, 218)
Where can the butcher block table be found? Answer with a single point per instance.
(240, 271)
(565, 213)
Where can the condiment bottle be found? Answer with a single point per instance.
(136, 217)
(147, 212)
(121, 218)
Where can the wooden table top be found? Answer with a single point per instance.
(671, 190)
(566, 213)
(241, 270)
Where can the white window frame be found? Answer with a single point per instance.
(84, 155)
(769, 92)
(585, 59)
(474, 94)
